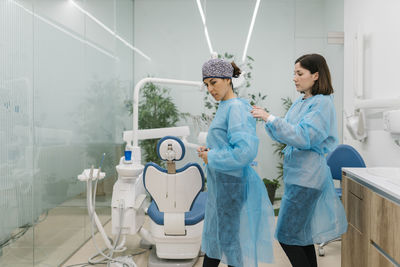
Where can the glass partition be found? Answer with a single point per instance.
(64, 77)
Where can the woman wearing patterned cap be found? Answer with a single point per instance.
(239, 219)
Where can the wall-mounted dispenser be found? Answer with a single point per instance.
(355, 124)
(391, 123)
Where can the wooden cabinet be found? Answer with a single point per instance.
(396, 234)
(358, 201)
(354, 248)
(377, 259)
(355, 242)
(373, 235)
(385, 225)
(381, 218)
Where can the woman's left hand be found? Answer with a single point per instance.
(258, 112)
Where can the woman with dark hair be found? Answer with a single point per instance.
(239, 219)
(311, 212)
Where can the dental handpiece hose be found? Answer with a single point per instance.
(98, 178)
(91, 203)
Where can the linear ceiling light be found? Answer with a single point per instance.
(250, 30)
(109, 30)
(203, 18)
(65, 31)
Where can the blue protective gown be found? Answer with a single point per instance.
(239, 220)
(310, 212)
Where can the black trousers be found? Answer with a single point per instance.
(210, 262)
(301, 256)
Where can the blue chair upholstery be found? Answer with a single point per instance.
(343, 156)
(192, 217)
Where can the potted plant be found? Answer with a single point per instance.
(156, 110)
(271, 186)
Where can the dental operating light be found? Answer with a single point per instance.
(109, 30)
(253, 19)
(203, 18)
(74, 36)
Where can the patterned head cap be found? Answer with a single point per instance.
(217, 68)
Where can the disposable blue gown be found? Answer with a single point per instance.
(310, 212)
(239, 220)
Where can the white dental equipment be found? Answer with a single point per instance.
(94, 175)
(391, 123)
(355, 124)
(177, 210)
(128, 199)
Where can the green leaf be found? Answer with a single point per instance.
(156, 110)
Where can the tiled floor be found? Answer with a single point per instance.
(56, 236)
(65, 228)
(331, 258)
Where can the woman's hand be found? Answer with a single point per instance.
(202, 152)
(258, 112)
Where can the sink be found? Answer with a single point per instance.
(387, 172)
(129, 170)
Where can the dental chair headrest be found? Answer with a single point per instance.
(178, 148)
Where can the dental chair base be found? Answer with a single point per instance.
(154, 261)
(177, 247)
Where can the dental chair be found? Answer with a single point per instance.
(178, 206)
(343, 156)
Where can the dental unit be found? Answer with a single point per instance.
(177, 210)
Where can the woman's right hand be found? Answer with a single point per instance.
(202, 153)
(258, 112)
(201, 149)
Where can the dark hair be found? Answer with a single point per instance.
(236, 70)
(316, 63)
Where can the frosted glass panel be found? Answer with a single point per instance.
(16, 133)
(64, 79)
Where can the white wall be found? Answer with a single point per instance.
(379, 21)
(171, 33)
